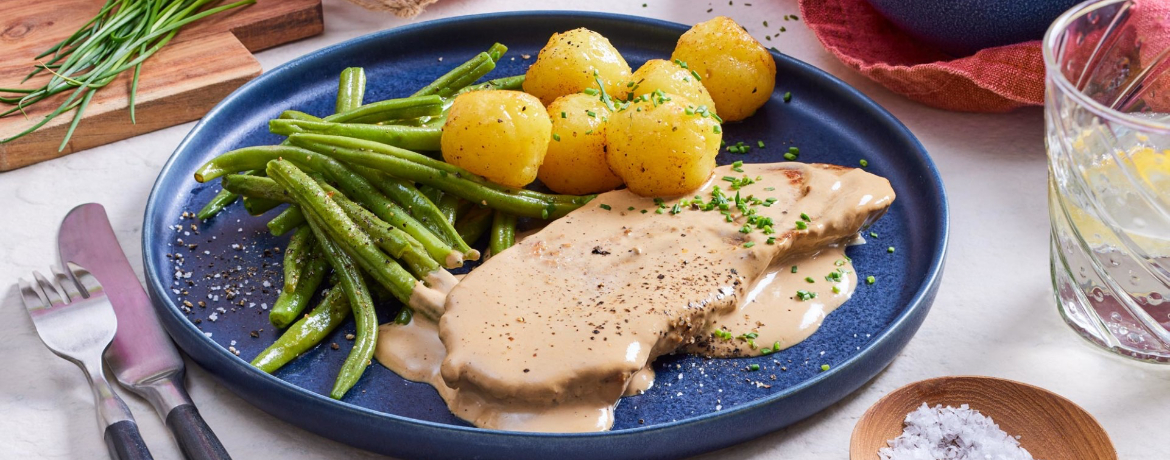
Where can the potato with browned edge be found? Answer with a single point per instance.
(575, 163)
(660, 148)
(573, 61)
(501, 135)
(670, 77)
(736, 69)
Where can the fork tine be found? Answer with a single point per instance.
(67, 284)
(89, 284)
(52, 291)
(32, 295)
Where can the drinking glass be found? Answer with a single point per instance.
(1108, 131)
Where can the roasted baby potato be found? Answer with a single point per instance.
(573, 61)
(670, 77)
(736, 69)
(501, 135)
(661, 147)
(575, 163)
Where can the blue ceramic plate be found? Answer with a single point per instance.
(698, 405)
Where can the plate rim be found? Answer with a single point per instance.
(916, 309)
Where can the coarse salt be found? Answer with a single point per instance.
(948, 433)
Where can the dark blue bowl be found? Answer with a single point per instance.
(698, 404)
(962, 27)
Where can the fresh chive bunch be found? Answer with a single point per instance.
(122, 35)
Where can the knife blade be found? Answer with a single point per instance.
(142, 356)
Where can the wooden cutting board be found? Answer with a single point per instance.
(203, 64)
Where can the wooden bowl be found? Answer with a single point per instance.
(1050, 426)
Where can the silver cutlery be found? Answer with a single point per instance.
(78, 325)
(142, 356)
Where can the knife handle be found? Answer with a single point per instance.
(193, 435)
(125, 443)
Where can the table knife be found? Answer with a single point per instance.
(142, 356)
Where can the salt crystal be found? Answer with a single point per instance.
(947, 433)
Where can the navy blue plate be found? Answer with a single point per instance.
(229, 276)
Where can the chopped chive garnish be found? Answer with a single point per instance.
(805, 295)
(805, 217)
(864, 163)
(737, 166)
(836, 290)
(808, 279)
(696, 75)
(644, 211)
(824, 367)
(766, 351)
(749, 244)
(605, 207)
(591, 113)
(675, 209)
(717, 129)
(890, 249)
(873, 234)
(720, 333)
(801, 225)
(590, 91)
(793, 269)
(556, 137)
(770, 189)
(754, 367)
(771, 240)
(870, 279)
(789, 157)
(760, 144)
(631, 208)
(564, 115)
(787, 95)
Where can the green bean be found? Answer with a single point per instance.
(397, 243)
(391, 109)
(419, 206)
(516, 204)
(297, 115)
(361, 190)
(404, 315)
(220, 200)
(449, 205)
(255, 187)
(295, 256)
(464, 74)
(432, 194)
(295, 296)
(287, 220)
(315, 204)
(503, 232)
(474, 224)
(325, 144)
(306, 333)
(407, 137)
(366, 337)
(354, 186)
(351, 89)
(259, 206)
(513, 83)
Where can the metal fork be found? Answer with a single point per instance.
(78, 325)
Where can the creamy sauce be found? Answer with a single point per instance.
(548, 335)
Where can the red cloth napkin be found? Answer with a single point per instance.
(993, 80)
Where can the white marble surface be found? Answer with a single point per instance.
(994, 314)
